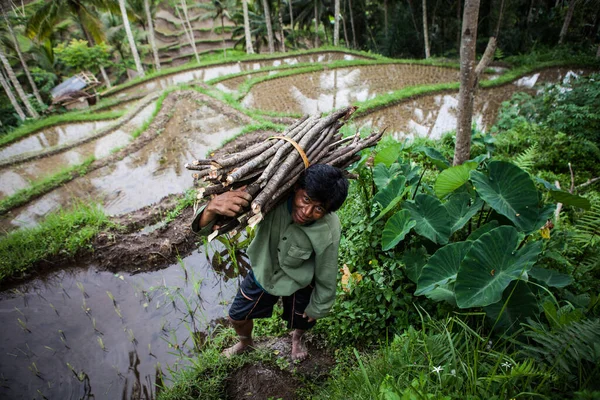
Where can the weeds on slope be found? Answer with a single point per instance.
(62, 233)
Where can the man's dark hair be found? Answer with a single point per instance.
(325, 184)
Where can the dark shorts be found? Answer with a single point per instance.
(252, 302)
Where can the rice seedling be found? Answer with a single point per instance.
(33, 368)
(63, 338)
(23, 325)
(54, 308)
(101, 343)
(50, 349)
(118, 311)
(112, 298)
(132, 338)
(82, 289)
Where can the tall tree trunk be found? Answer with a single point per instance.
(151, 35)
(344, 25)
(34, 87)
(223, 33)
(249, 48)
(352, 24)
(92, 43)
(336, 24)
(281, 25)
(316, 24)
(270, 38)
(568, 17)
(11, 75)
(425, 30)
(291, 9)
(412, 16)
(188, 33)
(462, 151)
(131, 40)
(11, 97)
(458, 30)
(385, 17)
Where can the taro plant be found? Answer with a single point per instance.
(483, 224)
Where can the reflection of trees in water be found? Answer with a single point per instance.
(223, 263)
(147, 390)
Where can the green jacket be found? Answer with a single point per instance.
(286, 257)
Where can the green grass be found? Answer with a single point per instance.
(188, 200)
(62, 233)
(31, 127)
(43, 186)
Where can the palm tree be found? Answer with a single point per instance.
(134, 52)
(34, 88)
(218, 9)
(41, 24)
(11, 97)
(151, 34)
(270, 37)
(17, 85)
(249, 48)
(256, 25)
(187, 27)
(336, 24)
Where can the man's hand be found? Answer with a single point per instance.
(228, 204)
(310, 319)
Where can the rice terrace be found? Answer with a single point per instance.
(467, 134)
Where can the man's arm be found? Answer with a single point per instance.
(228, 204)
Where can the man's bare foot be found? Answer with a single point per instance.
(237, 348)
(299, 351)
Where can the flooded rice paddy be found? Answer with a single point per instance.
(207, 73)
(89, 334)
(52, 137)
(433, 115)
(143, 177)
(84, 334)
(324, 91)
(20, 176)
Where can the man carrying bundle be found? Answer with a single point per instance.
(293, 255)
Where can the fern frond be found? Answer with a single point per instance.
(570, 348)
(526, 160)
(587, 228)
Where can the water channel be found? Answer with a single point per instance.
(91, 334)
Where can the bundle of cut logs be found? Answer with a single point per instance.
(269, 170)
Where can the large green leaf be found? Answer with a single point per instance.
(452, 178)
(441, 270)
(569, 199)
(491, 264)
(414, 258)
(510, 191)
(390, 195)
(461, 210)
(382, 175)
(520, 305)
(550, 278)
(389, 154)
(434, 156)
(476, 234)
(396, 229)
(433, 221)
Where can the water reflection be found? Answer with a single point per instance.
(324, 91)
(432, 116)
(143, 177)
(92, 334)
(20, 176)
(51, 137)
(211, 72)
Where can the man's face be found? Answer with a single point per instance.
(306, 210)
